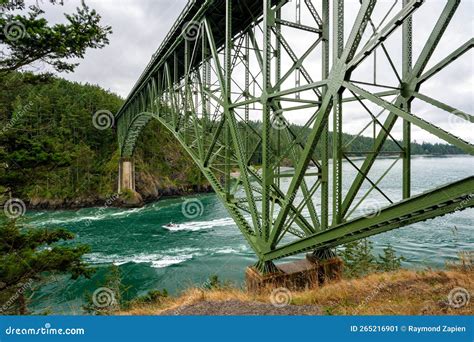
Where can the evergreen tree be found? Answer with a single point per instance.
(358, 258)
(389, 261)
(29, 38)
(28, 256)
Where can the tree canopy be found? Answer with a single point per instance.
(27, 37)
(28, 256)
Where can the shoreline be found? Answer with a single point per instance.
(84, 203)
(38, 204)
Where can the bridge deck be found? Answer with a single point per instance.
(245, 13)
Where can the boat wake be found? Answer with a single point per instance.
(199, 225)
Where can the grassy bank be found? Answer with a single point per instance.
(403, 292)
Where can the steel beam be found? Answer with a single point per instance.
(441, 201)
(192, 87)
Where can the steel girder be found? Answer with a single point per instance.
(226, 62)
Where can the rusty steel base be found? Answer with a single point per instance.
(297, 275)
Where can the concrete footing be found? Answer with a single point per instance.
(297, 275)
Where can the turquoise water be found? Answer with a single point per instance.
(151, 256)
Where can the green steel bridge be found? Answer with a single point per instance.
(225, 63)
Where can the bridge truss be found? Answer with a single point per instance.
(226, 64)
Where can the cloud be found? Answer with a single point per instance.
(138, 29)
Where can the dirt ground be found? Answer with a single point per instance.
(236, 307)
(404, 292)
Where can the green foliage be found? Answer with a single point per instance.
(29, 38)
(389, 261)
(110, 296)
(357, 144)
(127, 194)
(53, 154)
(213, 282)
(115, 298)
(160, 159)
(53, 151)
(359, 259)
(30, 255)
(153, 296)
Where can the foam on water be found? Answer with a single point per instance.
(51, 222)
(242, 249)
(98, 214)
(165, 258)
(156, 260)
(200, 225)
(129, 212)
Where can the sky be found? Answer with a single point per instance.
(139, 26)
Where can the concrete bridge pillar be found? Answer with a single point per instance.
(297, 275)
(126, 175)
(126, 184)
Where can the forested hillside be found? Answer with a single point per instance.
(360, 144)
(51, 155)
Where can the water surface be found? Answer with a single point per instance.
(152, 256)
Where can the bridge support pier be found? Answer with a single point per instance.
(126, 183)
(126, 175)
(297, 275)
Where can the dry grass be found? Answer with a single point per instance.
(397, 293)
(465, 262)
(190, 297)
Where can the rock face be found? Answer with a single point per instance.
(149, 188)
(162, 168)
(152, 187)
(129, 199)
(53, 204)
